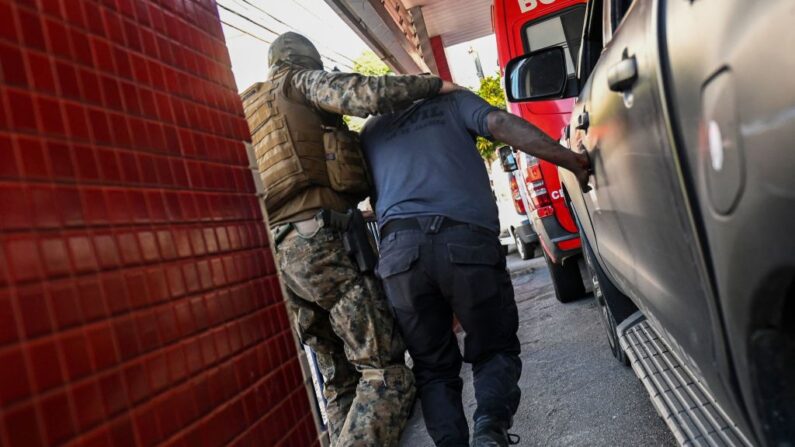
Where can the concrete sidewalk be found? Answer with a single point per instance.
(574, 392)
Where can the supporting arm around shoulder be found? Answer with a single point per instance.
(355, 94)
(527, 138)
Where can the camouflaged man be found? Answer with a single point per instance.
(314, 176)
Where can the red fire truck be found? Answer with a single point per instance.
(522, 26)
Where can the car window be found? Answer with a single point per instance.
(613, 13)
(563, 30)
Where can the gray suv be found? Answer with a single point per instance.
(687, 110)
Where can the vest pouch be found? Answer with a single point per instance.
(345, 164)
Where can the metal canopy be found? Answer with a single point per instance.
(400, 31)
(456, 21)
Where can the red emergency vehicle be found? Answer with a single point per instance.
(522, 26)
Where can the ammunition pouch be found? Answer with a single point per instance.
(345, 164)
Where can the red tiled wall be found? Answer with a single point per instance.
(138, 299)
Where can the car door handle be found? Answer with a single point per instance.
(583, 121)
(622, 76)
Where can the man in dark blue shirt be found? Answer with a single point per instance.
(440, 254)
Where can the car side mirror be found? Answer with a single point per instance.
(536, 76)
(507, 159)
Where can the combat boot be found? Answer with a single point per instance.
(492, 433)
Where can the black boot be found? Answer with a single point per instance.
(492, 433)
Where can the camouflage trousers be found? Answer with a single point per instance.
(345, 318)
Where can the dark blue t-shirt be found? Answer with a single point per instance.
(424, 161)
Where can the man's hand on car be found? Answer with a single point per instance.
(582, 168)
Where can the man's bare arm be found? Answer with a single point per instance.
(527, 138)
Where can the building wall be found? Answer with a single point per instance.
(139, 302)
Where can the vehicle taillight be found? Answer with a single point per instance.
(518, 203)
(539, 195)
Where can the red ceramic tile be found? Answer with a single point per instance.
(156, 285)
(7, 26)
(32, 156)
(14, 383)
(124, 333)
(45, 210)
(57, 38)
(94, 20)
(128, 248)
(118, 208)
(50, 116)
(32, 306)
(135, 283)
(121, 432)
(82, 253)
(41, 71)
(106, 252)
(24, 261)
(13, 67)
(88, 407)
(191, 277)
(68, 82)
(120, 130)
(45, 366)
(176, 283)
(94, 206)
(81, 46)
(146, 329)
(157, 366)
(60, 156)
(70, 207)
(77, 123)
(100, 128)
(115, 293)
(146, 426)
(8, 160)
(57, 418)
(103, 351)
(31, 26)
(111, 92)
(15, 205)
(89, 86)
(96, 438)
(26, 431)
(8, 323)
(167, 324)
(64, 304)
(74, 350)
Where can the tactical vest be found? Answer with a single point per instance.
(298, 146)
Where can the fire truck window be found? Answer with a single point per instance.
(564, 30)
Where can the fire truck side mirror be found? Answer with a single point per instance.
(507, 159)
(537, 76)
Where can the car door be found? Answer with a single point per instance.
(595, 210)
(638, 189)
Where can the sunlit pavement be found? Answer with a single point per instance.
(574, 393)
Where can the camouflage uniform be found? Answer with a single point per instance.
(340, 313)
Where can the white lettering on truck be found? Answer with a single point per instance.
(557, 194)
(529, 5)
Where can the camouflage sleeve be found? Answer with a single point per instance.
(358, 95)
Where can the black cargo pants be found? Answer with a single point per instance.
(429, 275)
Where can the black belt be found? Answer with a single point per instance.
(413, 224)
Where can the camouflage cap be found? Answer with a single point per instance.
(295, 49)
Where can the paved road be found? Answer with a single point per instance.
(574, 393)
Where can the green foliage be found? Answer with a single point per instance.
(368, 63)
(490, 90)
